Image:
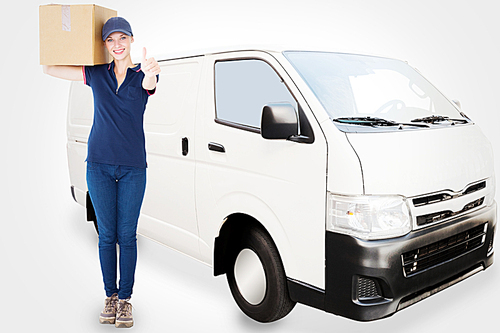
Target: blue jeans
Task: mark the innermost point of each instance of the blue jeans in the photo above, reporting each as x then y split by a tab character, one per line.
117	193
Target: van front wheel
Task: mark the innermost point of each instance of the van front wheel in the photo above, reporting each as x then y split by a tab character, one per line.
257	279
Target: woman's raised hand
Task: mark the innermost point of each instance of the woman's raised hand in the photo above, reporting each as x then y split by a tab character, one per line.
149	66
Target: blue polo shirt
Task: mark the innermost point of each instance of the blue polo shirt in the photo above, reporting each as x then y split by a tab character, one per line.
117	135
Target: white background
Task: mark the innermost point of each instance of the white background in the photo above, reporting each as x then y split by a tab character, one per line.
49	274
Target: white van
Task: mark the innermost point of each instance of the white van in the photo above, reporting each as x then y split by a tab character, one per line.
344	182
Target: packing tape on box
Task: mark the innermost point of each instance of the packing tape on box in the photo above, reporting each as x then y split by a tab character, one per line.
66	18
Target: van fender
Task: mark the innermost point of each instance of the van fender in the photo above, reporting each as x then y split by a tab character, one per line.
239	208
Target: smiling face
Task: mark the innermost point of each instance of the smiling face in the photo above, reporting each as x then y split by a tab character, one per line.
118	45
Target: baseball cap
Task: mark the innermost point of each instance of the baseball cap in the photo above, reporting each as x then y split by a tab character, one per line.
115	24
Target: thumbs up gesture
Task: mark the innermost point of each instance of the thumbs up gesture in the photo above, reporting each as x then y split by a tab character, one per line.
149	66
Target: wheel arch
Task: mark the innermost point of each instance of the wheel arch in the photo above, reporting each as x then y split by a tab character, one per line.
234	226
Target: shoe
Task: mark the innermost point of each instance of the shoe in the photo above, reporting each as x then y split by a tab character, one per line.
124	314
108	315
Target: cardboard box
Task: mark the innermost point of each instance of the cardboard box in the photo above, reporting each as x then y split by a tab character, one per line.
71	34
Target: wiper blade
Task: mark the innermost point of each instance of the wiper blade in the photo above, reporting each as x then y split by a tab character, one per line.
373	121
433	119
367	121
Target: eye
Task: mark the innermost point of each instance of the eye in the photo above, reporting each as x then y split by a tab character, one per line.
123	38
109	40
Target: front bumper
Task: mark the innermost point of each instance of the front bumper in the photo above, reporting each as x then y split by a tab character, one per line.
365	280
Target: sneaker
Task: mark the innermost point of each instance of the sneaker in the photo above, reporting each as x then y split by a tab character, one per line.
108	315
124	314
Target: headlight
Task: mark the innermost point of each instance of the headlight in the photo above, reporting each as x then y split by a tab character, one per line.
369	217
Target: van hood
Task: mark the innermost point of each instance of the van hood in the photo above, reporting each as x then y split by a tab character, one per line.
416	162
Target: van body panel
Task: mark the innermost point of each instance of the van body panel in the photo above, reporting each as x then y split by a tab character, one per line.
80	113
169	235
345	175
77	153
78	124
416	162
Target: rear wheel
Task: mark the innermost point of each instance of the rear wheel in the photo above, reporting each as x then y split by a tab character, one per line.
257	278
91	216
95	226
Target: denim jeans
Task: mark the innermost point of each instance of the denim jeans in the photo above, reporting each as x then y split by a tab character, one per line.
117	193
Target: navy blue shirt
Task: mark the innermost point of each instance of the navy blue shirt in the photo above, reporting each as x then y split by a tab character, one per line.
117	135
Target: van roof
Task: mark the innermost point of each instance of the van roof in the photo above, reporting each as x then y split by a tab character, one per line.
271	48
220	49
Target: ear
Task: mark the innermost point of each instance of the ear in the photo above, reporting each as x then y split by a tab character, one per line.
131	39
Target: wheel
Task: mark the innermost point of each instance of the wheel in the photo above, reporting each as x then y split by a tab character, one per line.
91	212
95	226
257	279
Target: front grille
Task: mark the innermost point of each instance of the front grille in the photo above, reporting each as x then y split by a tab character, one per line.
433	198
437	253
438	216
475	187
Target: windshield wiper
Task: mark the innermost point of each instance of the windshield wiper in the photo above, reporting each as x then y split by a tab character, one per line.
433	119
373	121
367	121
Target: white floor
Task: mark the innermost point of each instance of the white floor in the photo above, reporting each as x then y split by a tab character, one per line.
49	273
51	279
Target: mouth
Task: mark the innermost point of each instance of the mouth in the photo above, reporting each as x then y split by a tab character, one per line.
118	52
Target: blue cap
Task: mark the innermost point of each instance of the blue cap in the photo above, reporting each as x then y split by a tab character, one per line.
115	24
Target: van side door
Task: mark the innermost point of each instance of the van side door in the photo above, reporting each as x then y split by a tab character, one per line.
168	212
280	183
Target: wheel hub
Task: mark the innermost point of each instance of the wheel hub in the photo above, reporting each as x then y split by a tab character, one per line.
250	276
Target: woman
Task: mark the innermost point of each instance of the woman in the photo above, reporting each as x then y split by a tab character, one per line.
116	159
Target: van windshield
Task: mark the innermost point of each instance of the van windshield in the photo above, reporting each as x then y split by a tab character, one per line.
364	87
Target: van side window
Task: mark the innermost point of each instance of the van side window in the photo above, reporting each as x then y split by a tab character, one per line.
243	87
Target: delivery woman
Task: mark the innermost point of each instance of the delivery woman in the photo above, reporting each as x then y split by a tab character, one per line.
116	159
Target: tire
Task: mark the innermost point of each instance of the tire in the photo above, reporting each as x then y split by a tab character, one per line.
91	212
256	277
95	226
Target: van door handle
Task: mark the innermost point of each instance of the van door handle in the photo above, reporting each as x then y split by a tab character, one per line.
216	147
185	146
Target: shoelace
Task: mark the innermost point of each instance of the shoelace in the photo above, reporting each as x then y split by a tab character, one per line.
124	309
110	304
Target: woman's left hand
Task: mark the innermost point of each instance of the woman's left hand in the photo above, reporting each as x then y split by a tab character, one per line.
149	66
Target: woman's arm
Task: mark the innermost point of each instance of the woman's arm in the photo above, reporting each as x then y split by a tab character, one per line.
150	68
72	73
149	83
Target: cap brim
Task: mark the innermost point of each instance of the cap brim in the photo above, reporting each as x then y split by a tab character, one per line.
115	30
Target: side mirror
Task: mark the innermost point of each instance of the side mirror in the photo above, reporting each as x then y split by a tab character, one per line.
279	121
